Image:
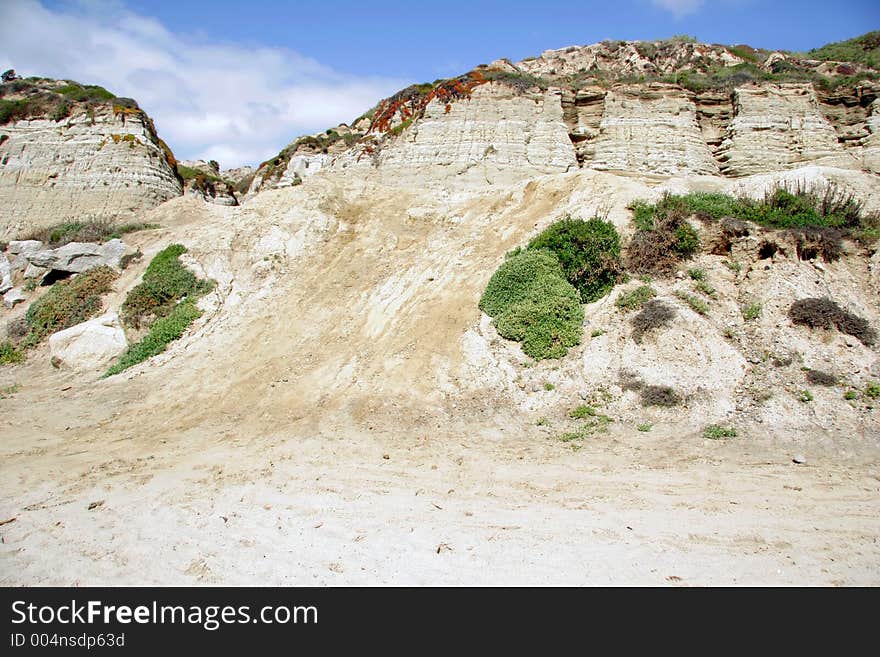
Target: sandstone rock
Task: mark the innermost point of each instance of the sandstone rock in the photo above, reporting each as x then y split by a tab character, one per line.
98	166
5	274
77	257
17	247
13	297
651	130
777	127
498	131
32	271
90	345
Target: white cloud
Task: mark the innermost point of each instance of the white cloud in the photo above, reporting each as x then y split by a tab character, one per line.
679	8
226	102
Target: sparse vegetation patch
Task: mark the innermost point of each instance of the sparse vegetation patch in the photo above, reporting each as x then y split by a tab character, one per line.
822	312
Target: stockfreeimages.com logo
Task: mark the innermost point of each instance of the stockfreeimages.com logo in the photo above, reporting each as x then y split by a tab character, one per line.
210	617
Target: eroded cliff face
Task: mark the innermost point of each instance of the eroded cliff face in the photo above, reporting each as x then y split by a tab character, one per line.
95	165
656	108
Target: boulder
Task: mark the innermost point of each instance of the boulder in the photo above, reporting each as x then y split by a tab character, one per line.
77	257
13	297
17	247
5	274
90	345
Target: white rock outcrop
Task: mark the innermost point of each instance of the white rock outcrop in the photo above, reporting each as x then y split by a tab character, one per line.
90	345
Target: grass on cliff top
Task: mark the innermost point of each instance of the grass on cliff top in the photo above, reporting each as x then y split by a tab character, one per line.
168	293
42	99
863	49
67	303
92	230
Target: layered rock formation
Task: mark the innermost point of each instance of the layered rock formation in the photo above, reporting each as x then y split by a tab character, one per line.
778	127
651	130
97	164
497	128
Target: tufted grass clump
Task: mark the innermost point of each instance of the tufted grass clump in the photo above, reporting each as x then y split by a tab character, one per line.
67	303
10	354
696	304
589	253
165	282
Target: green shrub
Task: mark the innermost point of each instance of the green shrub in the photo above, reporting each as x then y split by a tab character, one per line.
635	299
589	252
687	242
872	390
165	282
645	426
716	432
864	49
697	274
849	395
163	331
9	355
68	303
532	303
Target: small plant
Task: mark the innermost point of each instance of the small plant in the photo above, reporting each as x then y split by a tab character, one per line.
597	332
872	391
716	432
819	378
804	396
549	386
697	274
654	314
542	421
733	266
696	304
730	333
849	395
659	396
635	299
645	426
582	412
705	288
9	355
751	311
7	391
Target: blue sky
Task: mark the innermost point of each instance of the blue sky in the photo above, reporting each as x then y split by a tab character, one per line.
236	81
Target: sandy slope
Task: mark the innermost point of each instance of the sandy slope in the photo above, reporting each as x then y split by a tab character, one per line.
254	450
